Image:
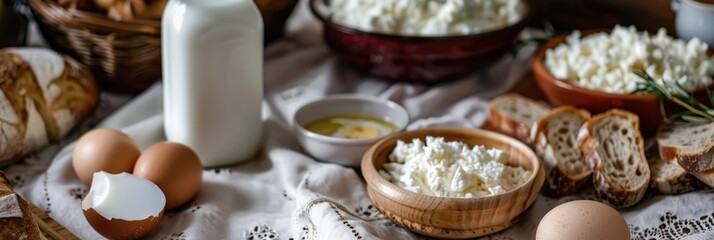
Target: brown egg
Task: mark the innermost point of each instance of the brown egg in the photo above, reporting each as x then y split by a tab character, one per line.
583	220
175	168
106	150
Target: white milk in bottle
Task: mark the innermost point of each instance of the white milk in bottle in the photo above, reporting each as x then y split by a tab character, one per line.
213	78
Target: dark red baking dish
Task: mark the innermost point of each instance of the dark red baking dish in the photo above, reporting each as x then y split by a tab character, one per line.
416	58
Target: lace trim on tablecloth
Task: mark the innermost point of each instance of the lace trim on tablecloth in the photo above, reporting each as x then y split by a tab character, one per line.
261	232
671	227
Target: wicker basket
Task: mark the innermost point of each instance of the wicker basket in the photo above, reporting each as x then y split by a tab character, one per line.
124	56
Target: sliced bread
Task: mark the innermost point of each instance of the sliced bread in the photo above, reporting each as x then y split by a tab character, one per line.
554	139
514	115
16	226
691	144
612	144
668	177
706	177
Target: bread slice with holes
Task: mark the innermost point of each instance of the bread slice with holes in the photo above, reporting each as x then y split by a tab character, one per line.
613	147
692	145
554	139
514	115
667	177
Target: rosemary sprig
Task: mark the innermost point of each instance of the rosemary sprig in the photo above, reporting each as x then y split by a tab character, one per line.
674	92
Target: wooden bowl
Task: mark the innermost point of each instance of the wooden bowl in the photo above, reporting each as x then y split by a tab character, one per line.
563	93
445	217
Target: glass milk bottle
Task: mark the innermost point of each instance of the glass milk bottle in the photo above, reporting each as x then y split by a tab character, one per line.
213	78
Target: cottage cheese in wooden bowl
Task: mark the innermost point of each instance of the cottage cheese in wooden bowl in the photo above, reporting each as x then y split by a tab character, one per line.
451	169
452	182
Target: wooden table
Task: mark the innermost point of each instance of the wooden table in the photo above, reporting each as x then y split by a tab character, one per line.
49	227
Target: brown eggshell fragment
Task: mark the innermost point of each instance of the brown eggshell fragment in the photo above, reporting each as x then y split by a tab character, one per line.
175	168
121	229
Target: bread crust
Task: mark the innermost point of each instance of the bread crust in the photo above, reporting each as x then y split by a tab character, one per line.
17	228
699	161
558	182
675	185
507	125
612	192
706	177
666	152
671	184
74	97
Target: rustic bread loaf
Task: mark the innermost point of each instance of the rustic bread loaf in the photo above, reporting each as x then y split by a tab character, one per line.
42	96
667	177
691	144
555	137
613	146
515	115
23	227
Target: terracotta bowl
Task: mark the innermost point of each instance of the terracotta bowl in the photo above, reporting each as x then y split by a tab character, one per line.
562	93
445	217
424	59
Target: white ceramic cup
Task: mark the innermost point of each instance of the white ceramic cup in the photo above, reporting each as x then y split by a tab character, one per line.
694	19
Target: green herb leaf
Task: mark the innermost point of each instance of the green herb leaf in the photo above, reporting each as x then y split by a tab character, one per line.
674	92
695	119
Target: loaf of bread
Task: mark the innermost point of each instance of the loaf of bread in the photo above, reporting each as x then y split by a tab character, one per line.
15	225
554	139
691	144
514	115
42	96
613	146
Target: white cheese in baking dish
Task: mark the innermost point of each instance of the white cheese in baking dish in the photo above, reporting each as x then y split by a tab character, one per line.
426	17
607	62
451	169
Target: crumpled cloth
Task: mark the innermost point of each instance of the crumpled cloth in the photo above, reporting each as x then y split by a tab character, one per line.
285	194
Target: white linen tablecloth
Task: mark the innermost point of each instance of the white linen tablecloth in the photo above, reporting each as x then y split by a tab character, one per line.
285	194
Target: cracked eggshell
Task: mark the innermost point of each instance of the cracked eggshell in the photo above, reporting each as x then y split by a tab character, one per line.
123	206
